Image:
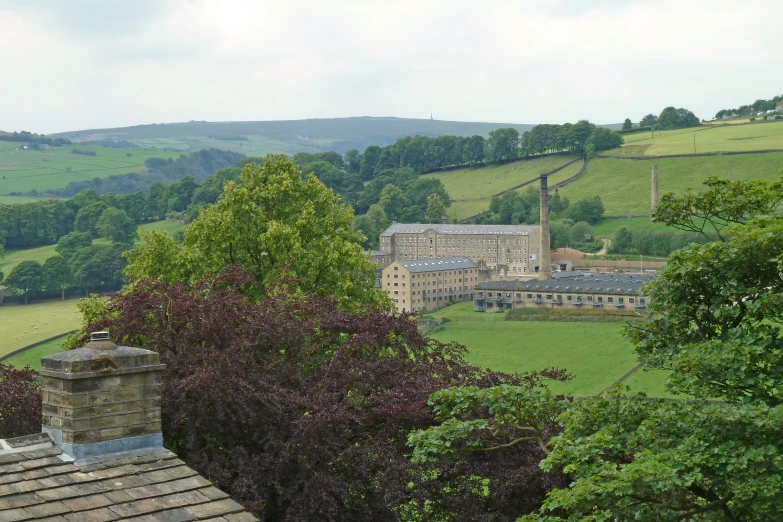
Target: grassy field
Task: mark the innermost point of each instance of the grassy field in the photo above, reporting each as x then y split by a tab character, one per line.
624	185
14	200
26	170
32	357
596	353
607	227
713	138
18	322
471	189
41	254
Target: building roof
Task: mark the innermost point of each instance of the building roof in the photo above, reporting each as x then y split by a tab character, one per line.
157	487
420	228
576	282
437	264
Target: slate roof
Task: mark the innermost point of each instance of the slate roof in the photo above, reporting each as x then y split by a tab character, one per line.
576	282
154	487
438	263
420	228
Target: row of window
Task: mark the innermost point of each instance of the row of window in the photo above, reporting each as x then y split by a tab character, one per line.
462	241
559	297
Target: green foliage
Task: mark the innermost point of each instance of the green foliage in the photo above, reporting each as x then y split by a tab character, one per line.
57	274
648	121
88	216
435	208
26	278
671	118
502	145
70	244
627	124
114	224
92	309
604	139
590	210
273	222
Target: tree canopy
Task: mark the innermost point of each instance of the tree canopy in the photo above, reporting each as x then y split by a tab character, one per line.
271	219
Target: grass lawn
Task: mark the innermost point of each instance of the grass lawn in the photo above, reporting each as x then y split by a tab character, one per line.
624	185
32	357
652	382
50	317
26	170
596	353
712	138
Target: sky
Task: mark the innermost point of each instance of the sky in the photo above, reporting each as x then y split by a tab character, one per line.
81	64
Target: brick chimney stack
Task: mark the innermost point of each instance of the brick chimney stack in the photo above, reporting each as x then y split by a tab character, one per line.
544	265
102	400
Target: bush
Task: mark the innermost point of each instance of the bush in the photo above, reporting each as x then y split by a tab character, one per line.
20	402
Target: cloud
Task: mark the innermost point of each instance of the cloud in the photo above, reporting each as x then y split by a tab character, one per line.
91	63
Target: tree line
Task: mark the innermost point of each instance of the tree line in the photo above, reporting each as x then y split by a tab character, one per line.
669	118
760	105
32	138
652	242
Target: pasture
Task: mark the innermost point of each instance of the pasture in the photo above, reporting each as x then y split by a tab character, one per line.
708	138
596	353
32	357
471	189
624	185
22	325
25	170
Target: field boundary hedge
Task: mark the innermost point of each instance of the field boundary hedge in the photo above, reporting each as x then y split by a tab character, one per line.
31	346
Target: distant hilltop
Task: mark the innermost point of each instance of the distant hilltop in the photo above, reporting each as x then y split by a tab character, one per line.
255	138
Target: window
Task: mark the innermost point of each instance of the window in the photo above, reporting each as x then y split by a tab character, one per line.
600	299
568	298
620	300
529	296
610	299
632	300
589	297
559	297
395	268
549	297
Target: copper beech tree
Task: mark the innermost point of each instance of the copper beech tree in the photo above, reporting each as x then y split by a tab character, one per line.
302	411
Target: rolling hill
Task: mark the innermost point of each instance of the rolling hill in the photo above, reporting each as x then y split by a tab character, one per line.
292	136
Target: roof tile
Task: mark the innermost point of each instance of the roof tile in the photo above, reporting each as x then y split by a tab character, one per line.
219	507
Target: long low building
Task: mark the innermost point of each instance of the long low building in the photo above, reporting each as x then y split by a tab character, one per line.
564	290
426	285
506	250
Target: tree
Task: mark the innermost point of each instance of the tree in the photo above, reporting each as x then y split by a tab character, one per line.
590	210
604	139
622	240
272	219
671	118
627	124
473	151
368	161
70	244
502	145
648	121
100	267
114	224
88	216
27	278
420	190
20	402
353	161
435	208
300	411
392	201
57	274
581	232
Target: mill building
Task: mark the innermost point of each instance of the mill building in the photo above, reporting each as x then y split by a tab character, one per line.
425	285
575	290
503	250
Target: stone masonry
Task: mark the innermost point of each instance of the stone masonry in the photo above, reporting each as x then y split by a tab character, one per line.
102	393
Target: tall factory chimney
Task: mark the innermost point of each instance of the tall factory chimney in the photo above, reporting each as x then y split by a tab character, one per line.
654	195
544	266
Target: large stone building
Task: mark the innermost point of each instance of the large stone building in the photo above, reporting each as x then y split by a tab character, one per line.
505	250
564	290
426	285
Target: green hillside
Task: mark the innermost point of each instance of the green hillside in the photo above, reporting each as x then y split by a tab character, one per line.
24	170
471	189
262	137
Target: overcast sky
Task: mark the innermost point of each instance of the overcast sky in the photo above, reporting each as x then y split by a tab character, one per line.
78	64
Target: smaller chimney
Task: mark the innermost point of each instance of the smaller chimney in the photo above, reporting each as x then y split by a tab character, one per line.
102	401
654	195
544	266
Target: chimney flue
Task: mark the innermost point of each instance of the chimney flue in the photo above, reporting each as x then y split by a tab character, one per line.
654	194
544	266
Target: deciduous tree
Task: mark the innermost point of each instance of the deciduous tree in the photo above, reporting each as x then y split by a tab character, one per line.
27	278
57	274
